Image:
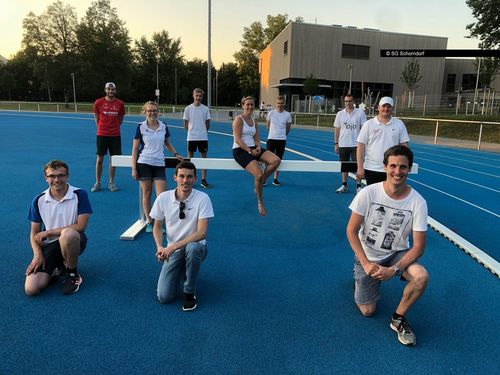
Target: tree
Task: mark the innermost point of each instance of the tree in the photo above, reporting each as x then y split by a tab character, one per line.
411	74
104	50
51	40
228	87
255	39
161	50
487	70
486	28
311	85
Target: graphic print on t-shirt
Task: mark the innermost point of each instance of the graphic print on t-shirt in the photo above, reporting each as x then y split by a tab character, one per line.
385	226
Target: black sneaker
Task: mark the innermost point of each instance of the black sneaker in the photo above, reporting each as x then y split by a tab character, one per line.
276	182
405	334
205	184
72	283
57	274
189	302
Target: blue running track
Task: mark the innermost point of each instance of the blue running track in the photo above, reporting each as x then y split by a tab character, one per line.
275	293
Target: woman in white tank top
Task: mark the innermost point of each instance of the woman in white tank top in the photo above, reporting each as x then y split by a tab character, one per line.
247	150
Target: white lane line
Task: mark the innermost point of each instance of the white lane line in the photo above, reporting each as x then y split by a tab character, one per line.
469	161
459	179
457	198
456	166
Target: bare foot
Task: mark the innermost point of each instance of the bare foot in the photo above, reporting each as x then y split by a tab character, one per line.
262	210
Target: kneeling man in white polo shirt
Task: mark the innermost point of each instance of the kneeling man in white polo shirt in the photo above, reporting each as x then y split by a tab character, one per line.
185	212
58	216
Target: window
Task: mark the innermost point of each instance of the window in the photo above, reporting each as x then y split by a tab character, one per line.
285	48
469	81
352	51
450	82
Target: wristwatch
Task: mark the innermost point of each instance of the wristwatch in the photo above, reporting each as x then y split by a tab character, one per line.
397	271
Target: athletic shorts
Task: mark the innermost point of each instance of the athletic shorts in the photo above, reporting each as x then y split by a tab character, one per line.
202	146
148	172
243	158
347	153
366	289
111	144
276	146
53	255
372	177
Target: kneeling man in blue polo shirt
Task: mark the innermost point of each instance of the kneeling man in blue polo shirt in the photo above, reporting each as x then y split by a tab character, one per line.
58	216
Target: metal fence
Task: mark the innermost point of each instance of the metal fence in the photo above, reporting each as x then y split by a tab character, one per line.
437	128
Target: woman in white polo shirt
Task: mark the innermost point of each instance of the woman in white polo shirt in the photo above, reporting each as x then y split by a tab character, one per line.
148	161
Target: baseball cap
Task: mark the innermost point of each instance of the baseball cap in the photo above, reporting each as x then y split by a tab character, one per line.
386	100
110	84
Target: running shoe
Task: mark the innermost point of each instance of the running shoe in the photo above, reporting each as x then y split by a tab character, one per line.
276	182
96	187
112	187
189	303
72	283
342	189
405	334
205	185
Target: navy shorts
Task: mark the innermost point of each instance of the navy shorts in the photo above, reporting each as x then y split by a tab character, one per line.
111	144
202	146
148	172
276	146
243	158
53	255
347	153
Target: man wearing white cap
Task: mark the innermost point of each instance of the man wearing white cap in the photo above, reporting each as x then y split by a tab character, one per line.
108	115
376	136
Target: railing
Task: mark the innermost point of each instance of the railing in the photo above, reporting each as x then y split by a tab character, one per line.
468	130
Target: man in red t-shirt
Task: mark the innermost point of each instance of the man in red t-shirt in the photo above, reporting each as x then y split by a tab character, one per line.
108	114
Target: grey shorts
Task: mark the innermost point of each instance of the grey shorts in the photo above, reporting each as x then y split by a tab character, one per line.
366	289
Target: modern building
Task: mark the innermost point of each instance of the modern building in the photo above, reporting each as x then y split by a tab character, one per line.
347	58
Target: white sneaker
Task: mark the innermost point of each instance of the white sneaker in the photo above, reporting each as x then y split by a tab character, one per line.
342	189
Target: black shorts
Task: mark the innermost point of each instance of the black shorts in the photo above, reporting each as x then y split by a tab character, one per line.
53	255
276	146
347	153
372	177
202	146
148	172
105	143
243	158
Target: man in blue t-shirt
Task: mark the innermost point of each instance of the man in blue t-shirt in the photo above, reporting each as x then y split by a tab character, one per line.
58	216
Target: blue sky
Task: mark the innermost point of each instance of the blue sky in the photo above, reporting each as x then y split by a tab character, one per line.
188	20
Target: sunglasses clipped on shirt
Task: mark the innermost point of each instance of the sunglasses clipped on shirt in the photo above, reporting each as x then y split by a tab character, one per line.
182	214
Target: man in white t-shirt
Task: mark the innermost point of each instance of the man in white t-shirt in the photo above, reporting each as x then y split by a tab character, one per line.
197	123
376	136
278	122
384	216
185	212
347	125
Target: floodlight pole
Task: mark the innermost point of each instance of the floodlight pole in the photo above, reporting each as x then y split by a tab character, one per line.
209	61
74	91
477	84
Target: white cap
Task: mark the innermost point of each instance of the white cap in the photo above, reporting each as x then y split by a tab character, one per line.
110	85
386	100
